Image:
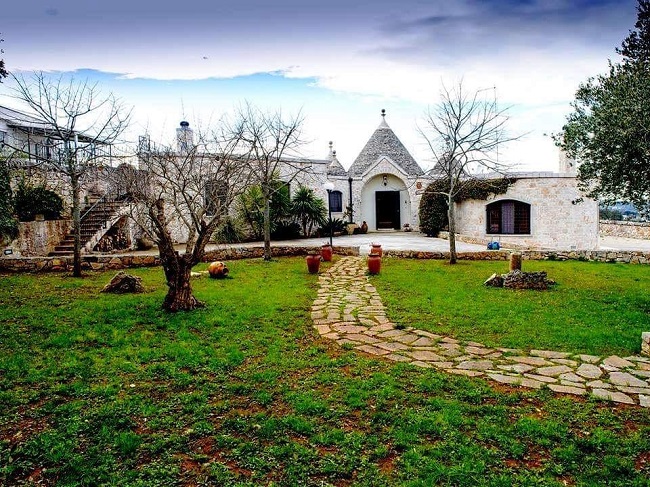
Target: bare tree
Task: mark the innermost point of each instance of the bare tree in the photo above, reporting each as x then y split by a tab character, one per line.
464	132
183	195
270	145
77	123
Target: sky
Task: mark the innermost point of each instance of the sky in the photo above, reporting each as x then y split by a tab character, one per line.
339	63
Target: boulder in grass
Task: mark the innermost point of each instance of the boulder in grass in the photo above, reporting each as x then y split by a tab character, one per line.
123	283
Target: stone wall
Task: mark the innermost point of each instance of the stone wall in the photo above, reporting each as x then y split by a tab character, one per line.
610	256
561	217
612	228
111	262
39	238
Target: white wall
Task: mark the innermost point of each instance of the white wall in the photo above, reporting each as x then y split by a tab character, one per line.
558	219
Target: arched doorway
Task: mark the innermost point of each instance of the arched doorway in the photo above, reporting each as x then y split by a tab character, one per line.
385	203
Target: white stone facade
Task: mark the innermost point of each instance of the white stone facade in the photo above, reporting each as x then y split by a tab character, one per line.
561	217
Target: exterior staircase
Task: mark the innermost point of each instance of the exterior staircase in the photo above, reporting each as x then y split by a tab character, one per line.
94	216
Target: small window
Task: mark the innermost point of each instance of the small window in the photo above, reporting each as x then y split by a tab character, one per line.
508	217
336	201
3	137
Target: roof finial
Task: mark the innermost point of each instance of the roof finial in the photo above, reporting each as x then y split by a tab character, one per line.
334	154
331	144
383	112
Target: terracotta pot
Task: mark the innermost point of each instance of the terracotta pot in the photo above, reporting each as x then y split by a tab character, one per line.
376	249
313	263
218	270
374	263
326	252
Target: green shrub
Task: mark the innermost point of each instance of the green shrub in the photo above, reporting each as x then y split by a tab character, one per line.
34	200
8	223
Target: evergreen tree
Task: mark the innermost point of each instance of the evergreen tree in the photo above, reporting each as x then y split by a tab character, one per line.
608	133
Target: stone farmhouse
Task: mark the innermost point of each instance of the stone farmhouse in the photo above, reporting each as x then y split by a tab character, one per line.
383	187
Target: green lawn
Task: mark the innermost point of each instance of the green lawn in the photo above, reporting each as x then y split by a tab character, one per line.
110	390
595	308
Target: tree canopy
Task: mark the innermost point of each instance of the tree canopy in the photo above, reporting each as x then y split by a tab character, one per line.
608	132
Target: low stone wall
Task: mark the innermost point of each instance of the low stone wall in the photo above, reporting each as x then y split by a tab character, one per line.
39	238
613	228
628	257
112	262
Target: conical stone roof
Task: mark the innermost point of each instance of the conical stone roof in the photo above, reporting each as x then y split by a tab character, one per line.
384	143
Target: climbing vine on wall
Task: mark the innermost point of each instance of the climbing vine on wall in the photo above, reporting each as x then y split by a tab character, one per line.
433	205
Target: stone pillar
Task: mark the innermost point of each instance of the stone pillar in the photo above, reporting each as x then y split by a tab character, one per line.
515	261
645	343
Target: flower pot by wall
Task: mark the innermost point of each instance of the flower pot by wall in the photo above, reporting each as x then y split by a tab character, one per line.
313	263
326	252
374	263
376	249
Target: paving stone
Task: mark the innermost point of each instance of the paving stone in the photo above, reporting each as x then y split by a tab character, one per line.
349	317
419	363
553	371
392	333
372	350
590	359
599	384
397	358
494	355
537	361
637	358
578	391
315	315
612	396
618	362
345	341
427	334
443	365
478	350
379	328
589	371
382	320
565	361
426	356
468	373
392	346
357	337
520	368
571	377
449	340
643	366
423	342
349	328
323	329
634	390
609	368
625	379
331	336
475	365
549	354
407	338
516	381
475	344
571	383
541	378
464	358
644	401
450	352
640	373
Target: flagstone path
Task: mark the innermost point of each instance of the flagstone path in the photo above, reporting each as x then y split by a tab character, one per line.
348	309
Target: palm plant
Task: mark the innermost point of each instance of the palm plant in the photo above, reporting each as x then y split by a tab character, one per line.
308	210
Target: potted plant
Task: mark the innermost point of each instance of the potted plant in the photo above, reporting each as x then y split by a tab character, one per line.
407	227
313	262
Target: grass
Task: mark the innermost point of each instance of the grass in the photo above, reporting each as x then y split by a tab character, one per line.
595	308
110	390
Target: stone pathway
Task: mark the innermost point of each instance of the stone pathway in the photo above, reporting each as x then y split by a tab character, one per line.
349	310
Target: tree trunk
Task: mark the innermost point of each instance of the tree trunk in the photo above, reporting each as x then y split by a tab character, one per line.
267	227
452	230
179	296
76	227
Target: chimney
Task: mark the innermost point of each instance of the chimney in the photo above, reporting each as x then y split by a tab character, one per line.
185	137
